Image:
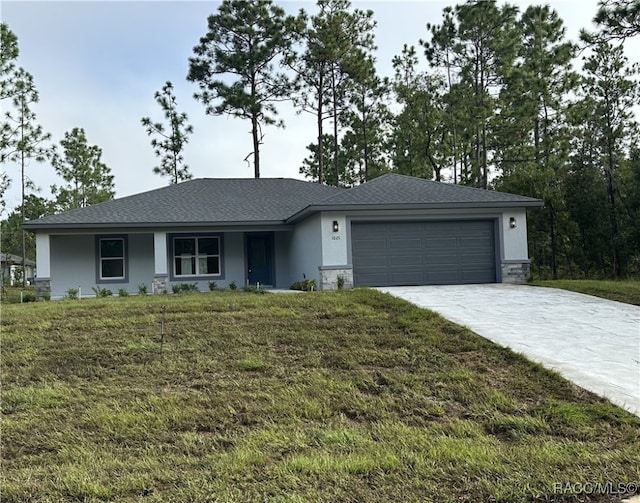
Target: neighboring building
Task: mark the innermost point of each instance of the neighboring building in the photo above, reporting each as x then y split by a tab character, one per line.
11	269
393	230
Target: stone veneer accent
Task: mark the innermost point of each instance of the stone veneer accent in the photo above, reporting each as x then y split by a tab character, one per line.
516	271
43	288
329	277
160	283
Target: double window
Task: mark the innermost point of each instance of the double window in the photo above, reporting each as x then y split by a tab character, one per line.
196	256
112	256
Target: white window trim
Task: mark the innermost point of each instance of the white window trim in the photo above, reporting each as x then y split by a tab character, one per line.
112	279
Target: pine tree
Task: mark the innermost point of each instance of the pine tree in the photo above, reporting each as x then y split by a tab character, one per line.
244	42
89	180
172	138
26	138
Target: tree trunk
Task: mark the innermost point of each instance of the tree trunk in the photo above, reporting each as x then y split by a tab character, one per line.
320	132
24	236
335	127
256	146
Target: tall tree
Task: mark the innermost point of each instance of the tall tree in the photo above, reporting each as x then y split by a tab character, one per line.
418	145
531	134
245	40
8	55
171	139
367	129
610	91
338	43
26	138
482	42
89	180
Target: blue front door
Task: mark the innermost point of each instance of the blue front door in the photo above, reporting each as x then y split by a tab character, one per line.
260	258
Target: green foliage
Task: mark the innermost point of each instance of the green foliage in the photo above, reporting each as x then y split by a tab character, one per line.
213	286
172	139
306	285
617	20
335	58
142	289
72	294
340	282
254	289
11	228
185	288
244	41
345	396
89	180
123	292
233	286
101	292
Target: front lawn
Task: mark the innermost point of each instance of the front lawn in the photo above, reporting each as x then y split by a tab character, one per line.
622	291
347	396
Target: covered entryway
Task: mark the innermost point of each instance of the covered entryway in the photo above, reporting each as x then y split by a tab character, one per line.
423	252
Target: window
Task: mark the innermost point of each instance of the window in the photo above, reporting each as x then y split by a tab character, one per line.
196	256
111	258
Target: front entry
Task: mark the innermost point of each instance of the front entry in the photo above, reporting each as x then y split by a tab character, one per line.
259	247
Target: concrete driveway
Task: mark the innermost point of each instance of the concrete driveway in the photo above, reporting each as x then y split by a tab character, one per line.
593	342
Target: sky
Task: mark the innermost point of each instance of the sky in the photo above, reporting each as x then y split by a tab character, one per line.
97	65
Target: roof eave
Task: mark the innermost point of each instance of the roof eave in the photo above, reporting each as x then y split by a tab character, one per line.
35	226
311	209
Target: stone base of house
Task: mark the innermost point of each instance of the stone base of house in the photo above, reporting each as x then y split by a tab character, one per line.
43	288
336	277
160	283
516	271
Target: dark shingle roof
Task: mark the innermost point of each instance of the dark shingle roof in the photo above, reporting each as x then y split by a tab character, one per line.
400	191
196	202
245	201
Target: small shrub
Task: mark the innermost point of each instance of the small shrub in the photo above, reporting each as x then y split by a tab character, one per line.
340	282
71	293
122	292
213	286
306	285
142	289
28	297
45	296
233	286
185	288
101	292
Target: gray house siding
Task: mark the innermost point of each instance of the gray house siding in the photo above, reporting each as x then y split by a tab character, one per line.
74	265
305	250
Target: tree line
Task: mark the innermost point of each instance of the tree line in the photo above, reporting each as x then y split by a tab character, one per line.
492	97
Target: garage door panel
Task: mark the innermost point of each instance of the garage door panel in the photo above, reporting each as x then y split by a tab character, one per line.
414	253
406	261
401	244
432	243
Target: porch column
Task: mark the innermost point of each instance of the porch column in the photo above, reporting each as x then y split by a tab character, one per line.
43	266
160	264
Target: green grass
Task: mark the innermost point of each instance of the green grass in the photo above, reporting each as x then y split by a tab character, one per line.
345	396
622	291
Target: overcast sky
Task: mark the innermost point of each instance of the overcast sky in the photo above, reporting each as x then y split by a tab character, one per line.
97	65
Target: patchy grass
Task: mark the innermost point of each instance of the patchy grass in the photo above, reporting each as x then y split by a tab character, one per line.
15	294
345	396
622	291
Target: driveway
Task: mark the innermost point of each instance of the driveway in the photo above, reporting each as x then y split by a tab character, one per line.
593	342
